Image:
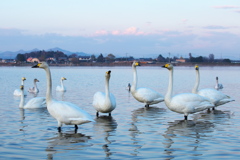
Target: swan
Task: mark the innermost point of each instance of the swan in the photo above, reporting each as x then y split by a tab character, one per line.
184	103
218	86
216	97
128	87
36	102
17	92
104	102
64	112
34	89
144	95
61	88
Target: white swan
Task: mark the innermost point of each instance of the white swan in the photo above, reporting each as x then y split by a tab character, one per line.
36	102
185	103
218	86
216	97
35	88
104	102
17	92
61	88
64	112
144	95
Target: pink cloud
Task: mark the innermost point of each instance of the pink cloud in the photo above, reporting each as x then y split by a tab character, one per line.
128	31
226	7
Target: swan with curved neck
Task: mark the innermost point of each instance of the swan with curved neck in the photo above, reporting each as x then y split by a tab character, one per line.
36	102
61	88
144	95
184	103
104	102
17	92
218	86
64	112
35	88
216	97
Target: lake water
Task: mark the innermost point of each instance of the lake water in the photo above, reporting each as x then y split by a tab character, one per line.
133	132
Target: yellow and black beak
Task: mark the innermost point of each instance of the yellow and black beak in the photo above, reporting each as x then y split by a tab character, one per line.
196	67
165	66
108	72
36	66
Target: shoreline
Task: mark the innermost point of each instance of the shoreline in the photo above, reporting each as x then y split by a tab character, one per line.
89	64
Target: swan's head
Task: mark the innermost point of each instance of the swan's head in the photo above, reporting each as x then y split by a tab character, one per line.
169	66
36	80
196	67
63	78
108	74
21	87
23	78
41	65
135	63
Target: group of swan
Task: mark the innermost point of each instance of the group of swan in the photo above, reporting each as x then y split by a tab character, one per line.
184	103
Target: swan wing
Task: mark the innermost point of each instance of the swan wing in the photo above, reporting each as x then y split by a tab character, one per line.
216	97
37	102
147	95
68	113
189	103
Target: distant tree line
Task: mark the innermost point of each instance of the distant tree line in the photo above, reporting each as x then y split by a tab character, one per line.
43	55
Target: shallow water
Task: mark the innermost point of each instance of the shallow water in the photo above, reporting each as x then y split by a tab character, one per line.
133	132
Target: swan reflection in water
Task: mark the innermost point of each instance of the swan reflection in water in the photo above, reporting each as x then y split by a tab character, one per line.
106	125
144	120
184	136
63	142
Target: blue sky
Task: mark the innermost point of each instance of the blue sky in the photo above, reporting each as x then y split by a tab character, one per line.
138	28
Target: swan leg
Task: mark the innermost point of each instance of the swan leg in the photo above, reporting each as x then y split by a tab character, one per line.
97	114
109	114
185	117
213	108
59	129
147	105
76	127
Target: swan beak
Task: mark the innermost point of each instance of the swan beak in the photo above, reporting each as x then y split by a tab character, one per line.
108	72
165	66
196	67
36	66
23	78
137	64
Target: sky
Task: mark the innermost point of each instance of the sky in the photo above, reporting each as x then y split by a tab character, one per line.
138	28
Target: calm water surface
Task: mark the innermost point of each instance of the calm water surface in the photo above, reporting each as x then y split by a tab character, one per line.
132	132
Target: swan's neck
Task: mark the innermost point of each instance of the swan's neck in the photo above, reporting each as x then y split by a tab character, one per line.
168	95
35	85
195	88
134	85
49	85
61	83
107	87
22	82
21	104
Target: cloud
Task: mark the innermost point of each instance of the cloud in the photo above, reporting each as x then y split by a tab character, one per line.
226	7
128	31
130	40
215	27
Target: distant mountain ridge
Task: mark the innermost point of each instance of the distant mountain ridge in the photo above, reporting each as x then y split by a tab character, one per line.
12	55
